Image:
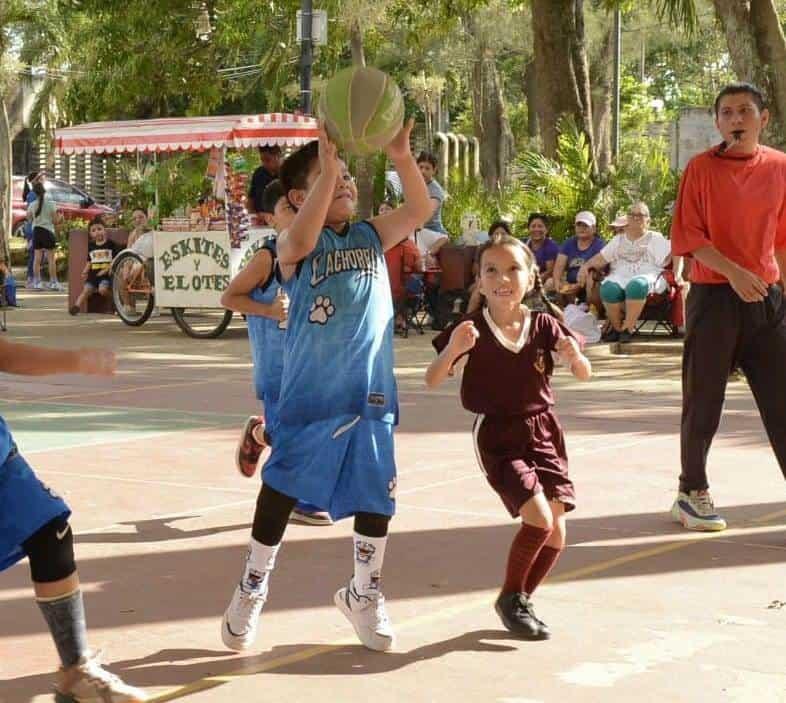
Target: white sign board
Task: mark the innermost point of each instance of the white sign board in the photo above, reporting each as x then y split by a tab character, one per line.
240	257
192	269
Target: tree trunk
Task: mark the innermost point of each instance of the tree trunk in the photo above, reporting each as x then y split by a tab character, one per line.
531	90
758	52
771	45
5	184
561	65
602	73
489	115
364	165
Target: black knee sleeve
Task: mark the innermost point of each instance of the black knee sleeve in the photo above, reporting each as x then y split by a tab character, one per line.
371	524
51	552
271	516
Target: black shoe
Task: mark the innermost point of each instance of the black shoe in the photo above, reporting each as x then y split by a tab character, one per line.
611	336
515	611
625	337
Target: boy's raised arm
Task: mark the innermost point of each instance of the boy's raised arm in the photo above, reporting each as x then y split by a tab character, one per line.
296	243
417	207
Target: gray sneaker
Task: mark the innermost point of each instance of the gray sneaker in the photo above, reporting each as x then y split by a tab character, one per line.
696	511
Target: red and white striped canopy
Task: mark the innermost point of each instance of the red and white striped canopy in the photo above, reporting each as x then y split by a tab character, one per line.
186	134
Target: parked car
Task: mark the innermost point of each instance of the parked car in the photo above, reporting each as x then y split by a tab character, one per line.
72	202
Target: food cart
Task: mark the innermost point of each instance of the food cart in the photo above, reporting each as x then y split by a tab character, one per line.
197	255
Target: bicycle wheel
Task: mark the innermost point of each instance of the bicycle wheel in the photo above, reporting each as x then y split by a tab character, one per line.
132	290
202	323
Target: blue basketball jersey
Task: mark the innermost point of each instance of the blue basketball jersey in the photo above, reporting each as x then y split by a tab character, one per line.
6	441
339	340
267	338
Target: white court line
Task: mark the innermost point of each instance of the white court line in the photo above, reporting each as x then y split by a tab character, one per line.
151	482
175	411
121	440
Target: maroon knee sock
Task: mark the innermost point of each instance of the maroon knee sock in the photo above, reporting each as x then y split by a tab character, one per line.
540	569
527	543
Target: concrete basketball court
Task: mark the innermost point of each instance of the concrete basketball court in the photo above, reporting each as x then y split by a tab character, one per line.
640	610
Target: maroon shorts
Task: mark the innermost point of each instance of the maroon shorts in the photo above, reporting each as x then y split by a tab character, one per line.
522	456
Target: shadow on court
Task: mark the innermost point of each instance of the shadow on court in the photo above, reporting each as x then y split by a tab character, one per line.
197	582
169	667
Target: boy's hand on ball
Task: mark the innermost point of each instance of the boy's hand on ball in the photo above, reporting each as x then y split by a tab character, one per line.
97	362
399	148
328	154
463	338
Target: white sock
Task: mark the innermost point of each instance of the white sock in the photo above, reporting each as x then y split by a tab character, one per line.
369	555
259	563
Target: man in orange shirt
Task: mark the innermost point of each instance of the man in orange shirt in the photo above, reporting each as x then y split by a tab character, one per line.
730	217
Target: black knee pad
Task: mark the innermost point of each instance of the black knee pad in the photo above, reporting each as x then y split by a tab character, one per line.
371	524
51	552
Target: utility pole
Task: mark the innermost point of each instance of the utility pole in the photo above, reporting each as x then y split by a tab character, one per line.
306	55
615	132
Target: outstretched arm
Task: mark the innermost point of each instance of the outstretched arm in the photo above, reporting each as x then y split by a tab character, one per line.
297	242
29	360
417	207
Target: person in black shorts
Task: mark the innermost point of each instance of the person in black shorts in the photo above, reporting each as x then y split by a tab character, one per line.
97	273
506	353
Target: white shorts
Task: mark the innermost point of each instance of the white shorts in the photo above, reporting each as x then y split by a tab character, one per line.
144	246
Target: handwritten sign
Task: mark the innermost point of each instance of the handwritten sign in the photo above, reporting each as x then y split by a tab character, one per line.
192	269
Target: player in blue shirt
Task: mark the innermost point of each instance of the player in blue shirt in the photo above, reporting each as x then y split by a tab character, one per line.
34	524
338	404
256	292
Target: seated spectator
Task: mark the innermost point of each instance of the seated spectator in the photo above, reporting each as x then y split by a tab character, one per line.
636	259
97	272
545	249
575	252
619	224
140	239
403	260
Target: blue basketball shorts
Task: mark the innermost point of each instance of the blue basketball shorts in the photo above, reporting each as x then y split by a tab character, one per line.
26	505
344	464
271	415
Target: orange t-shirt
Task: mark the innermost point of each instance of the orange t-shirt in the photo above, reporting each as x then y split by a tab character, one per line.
401	260
736	203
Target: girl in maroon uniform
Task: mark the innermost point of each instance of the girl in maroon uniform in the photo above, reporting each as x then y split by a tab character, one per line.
506	353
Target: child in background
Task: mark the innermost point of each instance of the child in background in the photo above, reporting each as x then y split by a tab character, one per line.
43	215
505	351
257	293
338	404
97	272
402	261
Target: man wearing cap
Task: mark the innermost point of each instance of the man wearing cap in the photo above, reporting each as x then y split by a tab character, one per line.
730	217
576	252
619	224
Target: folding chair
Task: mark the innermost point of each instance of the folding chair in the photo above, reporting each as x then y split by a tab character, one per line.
413	307
665	310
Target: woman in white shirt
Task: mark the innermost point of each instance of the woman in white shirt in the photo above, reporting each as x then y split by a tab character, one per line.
637	258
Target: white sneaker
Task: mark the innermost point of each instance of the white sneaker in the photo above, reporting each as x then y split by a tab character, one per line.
56	285
241	619
696	511
38	285
89	682
368	616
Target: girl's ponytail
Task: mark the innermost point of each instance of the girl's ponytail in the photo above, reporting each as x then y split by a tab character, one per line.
40	192
551	308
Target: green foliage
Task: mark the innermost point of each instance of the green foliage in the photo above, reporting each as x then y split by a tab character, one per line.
180	180
563	186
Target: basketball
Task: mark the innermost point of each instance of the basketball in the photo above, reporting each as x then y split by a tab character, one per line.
362	109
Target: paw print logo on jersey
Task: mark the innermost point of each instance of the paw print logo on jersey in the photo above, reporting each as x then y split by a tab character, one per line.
321	310
392	488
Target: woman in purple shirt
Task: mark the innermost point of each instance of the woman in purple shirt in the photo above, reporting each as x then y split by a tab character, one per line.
543	247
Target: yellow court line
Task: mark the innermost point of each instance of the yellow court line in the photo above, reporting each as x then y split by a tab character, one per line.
134	389
444	613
